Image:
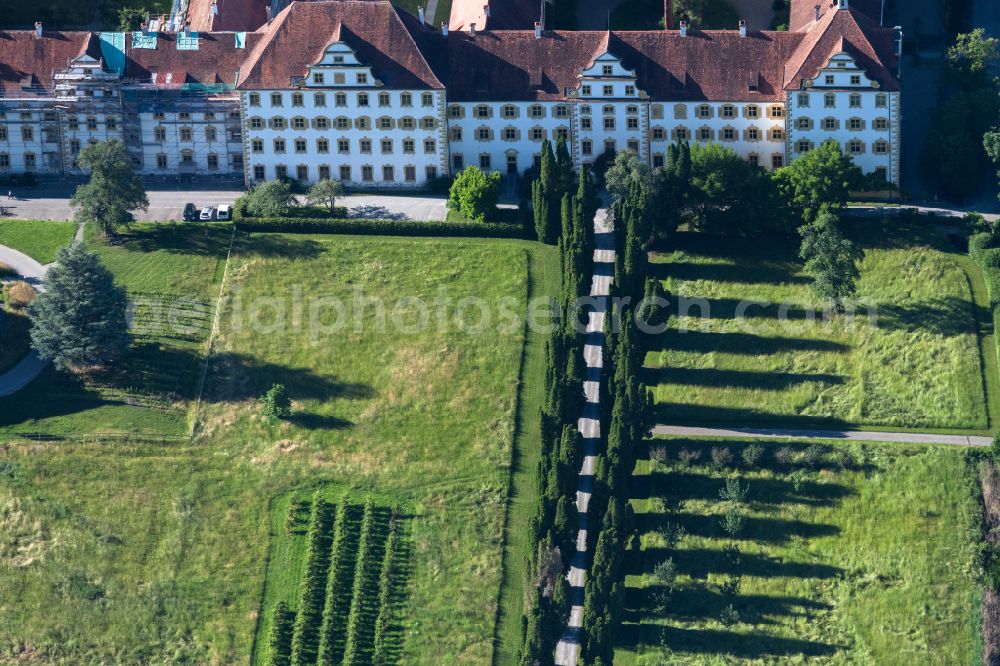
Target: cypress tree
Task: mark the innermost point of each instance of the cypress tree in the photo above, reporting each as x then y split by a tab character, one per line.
280	642
564	165
546	197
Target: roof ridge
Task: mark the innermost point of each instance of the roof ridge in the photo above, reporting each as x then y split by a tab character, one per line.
413	41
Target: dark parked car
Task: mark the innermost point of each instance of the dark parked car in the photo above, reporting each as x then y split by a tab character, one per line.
190	213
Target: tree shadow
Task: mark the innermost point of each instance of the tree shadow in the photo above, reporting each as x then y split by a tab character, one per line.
372	212
281	246
703	342
682	414
209	240
942	316
713	377
763	272
312	421
775	491
755	528
736	308
699	562
719	642
238	377
765	247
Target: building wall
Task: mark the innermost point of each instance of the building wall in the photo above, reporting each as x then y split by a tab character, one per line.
204	139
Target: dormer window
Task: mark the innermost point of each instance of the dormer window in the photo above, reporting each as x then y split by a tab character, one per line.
607	70
609	91
319	79
338	59
585	91
362	79
855	80
828	80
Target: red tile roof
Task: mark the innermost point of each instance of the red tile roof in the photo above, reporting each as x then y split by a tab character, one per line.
504	14
29	61
872	47
217	60
382	38
803	12
236	15
705	65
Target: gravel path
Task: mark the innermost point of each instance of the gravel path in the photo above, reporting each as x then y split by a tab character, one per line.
30	366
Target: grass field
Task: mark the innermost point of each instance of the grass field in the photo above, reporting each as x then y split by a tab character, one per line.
869	564
172	274
916	365
39	239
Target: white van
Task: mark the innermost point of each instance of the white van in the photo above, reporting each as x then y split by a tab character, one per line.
223	213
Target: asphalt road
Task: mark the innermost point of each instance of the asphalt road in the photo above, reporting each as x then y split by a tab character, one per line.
166	205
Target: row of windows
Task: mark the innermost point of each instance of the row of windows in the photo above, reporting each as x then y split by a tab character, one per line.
852	147
508	111
345	172
607	90
508	134
384	99
343	146
854	100
212	160
342	123
186	134
49	134
853	124
185	116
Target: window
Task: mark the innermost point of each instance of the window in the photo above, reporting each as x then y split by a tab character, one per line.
882	173
537	111
427	99
280	171
91	123
508	111
562	132
383	99
803	146
27	134
74	146
484	134
319	79
753	112
830	124
408	124
681	133
160	134
111	124
881	124
298	99
324	172
367	174
658	161
258	172
659	134
704	111
855	100
753	134
509	134
776	111
340	99
485	163
362	79
629	91
410	174
704	134
302	172
753	159
73	122
185	134
482	111
236	161
210	134
409	146
587	147
828	79
455	134
609	122
343	146
431	172
275	99
855	124
385	123
362	123
457	163
881	101
537	134
610	146
430	146
728	111
607	70
608	91
254	99
343	123
803	123
278	123
345	172
279	145
213	162
388	173
362	99
633	145
632	110
428	123
322	145
406	99
585	91
455	111
586	124
632	123
880	147
161	161
608	110
257	146
728	134
180	116
803	100
829	100
386	145
256	123
855	147
855	80
322	122
777	161
777	134
319	99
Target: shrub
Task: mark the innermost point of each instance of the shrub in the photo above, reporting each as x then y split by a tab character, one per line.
721	457
672	534
730	587
814	455
659	454
270	199
325	193
734	492
275	404
475	193
732	522
6	270
665	574
729	616
20	294
752	455
784	456
732	556
689	457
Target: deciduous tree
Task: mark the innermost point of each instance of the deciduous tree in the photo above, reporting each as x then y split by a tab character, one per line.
113	191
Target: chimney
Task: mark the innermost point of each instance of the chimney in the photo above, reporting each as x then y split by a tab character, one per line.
538	30
743	28
668	14
817	12
444	28
684	28
186	30
420	13
843	4
38	29
486	11
472	28
214	9
270	15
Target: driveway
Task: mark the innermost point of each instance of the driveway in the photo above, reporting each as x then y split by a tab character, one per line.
33	273
52	203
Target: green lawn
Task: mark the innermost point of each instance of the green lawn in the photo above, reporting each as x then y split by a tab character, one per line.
916	365
172	274
869	564
39	239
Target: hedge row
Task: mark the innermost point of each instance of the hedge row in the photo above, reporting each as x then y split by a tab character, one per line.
380	227
988	259
387	579
312	592
363	567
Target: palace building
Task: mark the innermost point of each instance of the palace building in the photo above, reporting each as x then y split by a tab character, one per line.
363	92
